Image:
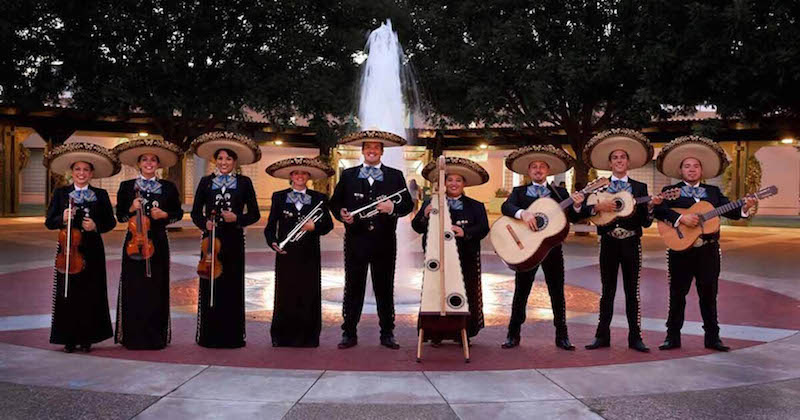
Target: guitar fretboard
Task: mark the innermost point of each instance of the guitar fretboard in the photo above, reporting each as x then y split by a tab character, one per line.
723	209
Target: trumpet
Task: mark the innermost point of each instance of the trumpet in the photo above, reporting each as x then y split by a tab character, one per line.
380	199
296	233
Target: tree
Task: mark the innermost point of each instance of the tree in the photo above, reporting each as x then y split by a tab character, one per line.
541	67
756	65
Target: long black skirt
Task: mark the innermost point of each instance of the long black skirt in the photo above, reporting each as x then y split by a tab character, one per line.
222	325
82	317
297	315
143	319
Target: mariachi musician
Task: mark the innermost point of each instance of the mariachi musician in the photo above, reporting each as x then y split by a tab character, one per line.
470	226
538	162
143	319
370	241
224	202
298	218
692	159
620	150
80	299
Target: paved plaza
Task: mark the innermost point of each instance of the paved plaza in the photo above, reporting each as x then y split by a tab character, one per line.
759	311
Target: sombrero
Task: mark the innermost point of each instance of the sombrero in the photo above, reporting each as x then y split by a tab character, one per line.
246	149
707	151
386	138
599	148
129	152
60	159
556	158
472	173
283	168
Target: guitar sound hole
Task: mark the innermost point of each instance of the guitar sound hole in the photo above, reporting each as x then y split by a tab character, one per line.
541	221
619	204
455	301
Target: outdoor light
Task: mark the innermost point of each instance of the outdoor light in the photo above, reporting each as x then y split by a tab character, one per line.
278	142
787	140
484	146
143	134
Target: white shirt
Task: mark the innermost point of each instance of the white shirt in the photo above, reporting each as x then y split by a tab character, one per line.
298	205
372	181
623	179
77	188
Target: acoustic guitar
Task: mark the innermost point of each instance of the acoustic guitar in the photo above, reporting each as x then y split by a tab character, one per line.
625	204
682	237
523	248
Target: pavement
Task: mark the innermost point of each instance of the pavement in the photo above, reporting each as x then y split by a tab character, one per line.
759	307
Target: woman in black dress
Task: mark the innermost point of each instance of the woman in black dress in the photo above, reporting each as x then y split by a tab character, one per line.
143	321
220	321
80	312
470	225
297	314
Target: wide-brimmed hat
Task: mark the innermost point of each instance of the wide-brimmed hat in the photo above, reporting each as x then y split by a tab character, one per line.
556	158
61	158
283	168
386	138
598	150
472	173
130	151
710	154
246	149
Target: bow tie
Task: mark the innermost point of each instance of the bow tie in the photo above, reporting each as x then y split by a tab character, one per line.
149	185
619	185
455	204
537	191
693	192
83	196
371	172
227	181
298	197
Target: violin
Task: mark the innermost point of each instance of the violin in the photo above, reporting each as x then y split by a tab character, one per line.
69	259
140	247
210	266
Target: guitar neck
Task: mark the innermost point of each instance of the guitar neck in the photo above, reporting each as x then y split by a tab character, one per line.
723	209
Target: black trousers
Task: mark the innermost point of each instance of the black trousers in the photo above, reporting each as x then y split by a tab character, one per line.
378	252
553	266
702	264
626	253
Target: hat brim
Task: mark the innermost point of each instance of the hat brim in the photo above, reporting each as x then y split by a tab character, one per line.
373	136
712	163
130	157
246	155
286	172
520	164
103	167
638	154
472	176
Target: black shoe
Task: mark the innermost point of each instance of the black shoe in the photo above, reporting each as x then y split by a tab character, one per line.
670	343
638	345
598	343
86	348
69	348
717	345
389	342
510	342
436	342
563	343
347	342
